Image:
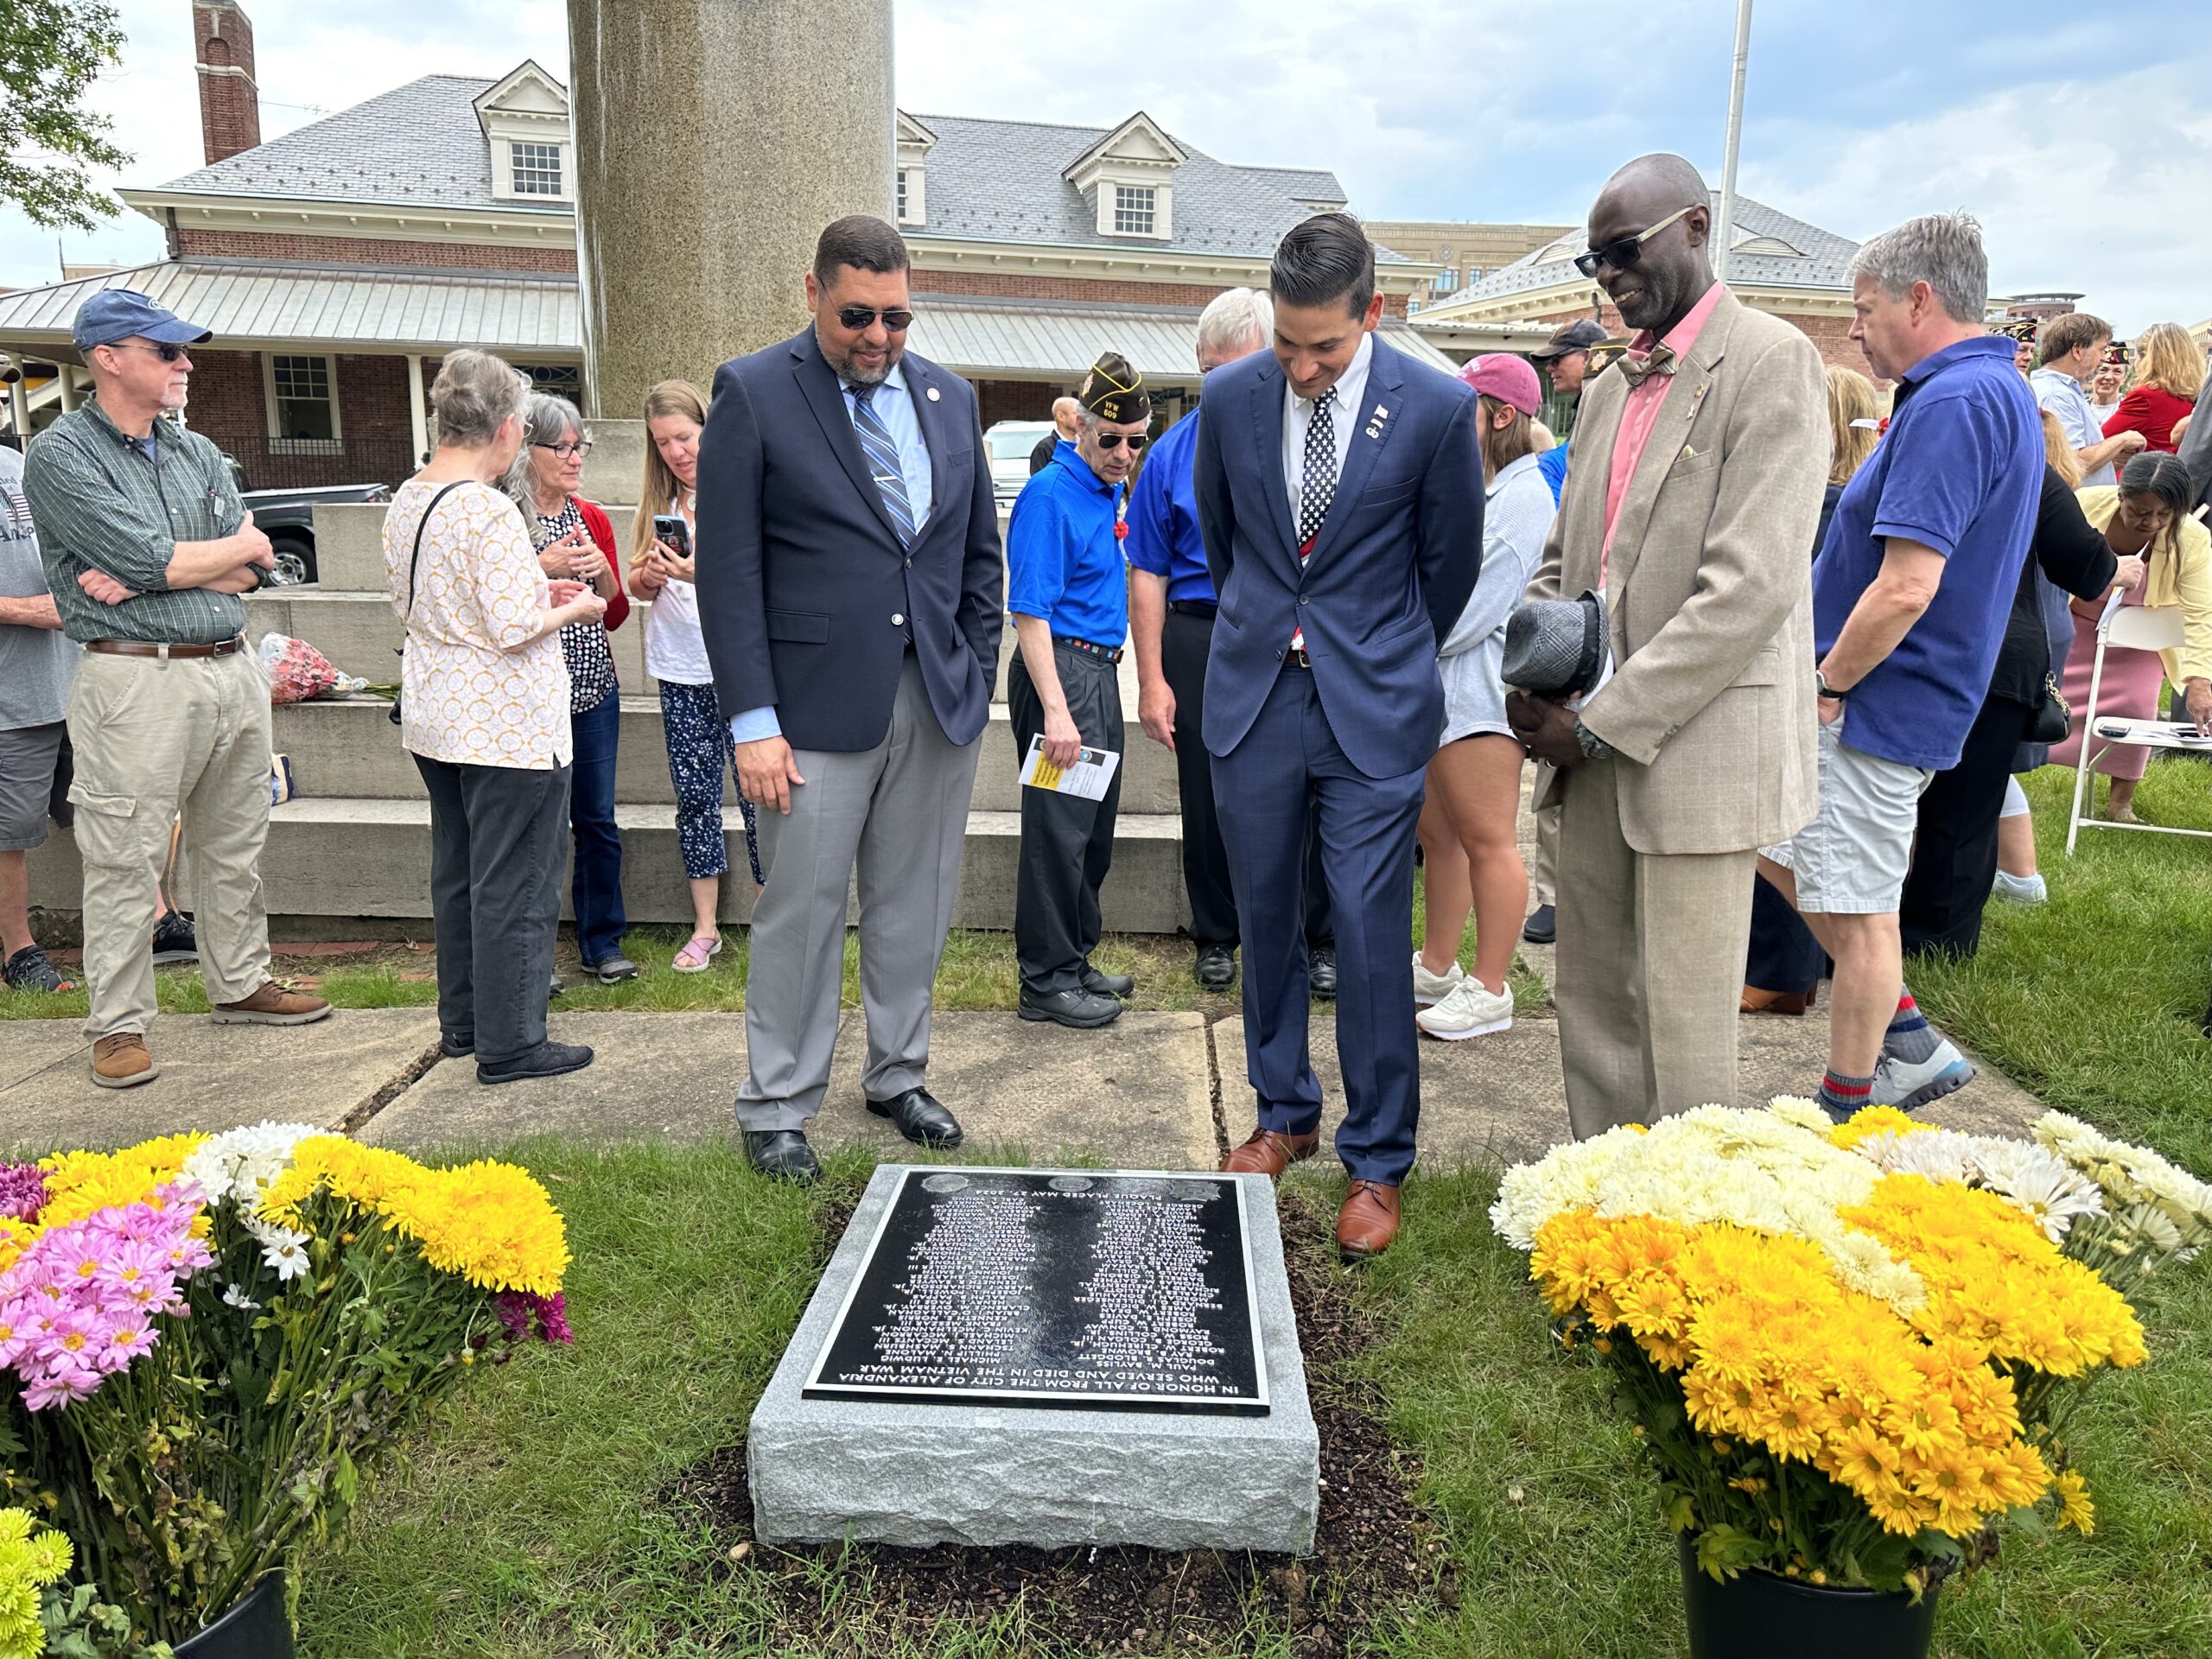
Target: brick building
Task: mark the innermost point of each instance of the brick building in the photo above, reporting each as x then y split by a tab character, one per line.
338	263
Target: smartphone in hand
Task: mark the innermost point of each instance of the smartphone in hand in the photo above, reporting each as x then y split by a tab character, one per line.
670	528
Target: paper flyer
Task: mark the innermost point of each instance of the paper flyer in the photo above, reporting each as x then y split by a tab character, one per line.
1087	778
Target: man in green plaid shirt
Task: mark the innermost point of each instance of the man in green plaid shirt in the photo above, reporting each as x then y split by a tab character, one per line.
148	550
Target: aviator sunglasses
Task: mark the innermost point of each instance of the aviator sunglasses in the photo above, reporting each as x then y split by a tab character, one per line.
857	317
1627	251
1136	441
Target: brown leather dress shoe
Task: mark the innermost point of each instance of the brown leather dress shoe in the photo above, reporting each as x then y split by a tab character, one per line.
272	1004
1369	1220
120	1060
1270	1152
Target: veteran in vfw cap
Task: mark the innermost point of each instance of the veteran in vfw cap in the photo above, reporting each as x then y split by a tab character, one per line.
1068	588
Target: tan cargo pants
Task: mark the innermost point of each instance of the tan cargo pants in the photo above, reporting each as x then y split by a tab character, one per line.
156	739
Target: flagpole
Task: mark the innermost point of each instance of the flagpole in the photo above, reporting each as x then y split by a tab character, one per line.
1734	140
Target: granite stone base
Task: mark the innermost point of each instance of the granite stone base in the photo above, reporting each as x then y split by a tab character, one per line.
914	1474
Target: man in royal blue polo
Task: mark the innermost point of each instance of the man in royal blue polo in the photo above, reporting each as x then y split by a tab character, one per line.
1910	592
1171	608
1068	590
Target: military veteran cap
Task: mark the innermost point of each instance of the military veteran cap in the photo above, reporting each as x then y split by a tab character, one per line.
1115	391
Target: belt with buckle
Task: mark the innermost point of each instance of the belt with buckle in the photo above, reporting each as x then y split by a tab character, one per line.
164	653
1193	607
1297	657
1110	653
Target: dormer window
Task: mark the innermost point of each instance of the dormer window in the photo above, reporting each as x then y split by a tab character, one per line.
1136	206
915	141
537	169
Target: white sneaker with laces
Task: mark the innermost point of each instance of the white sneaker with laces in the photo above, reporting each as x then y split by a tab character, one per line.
1430	988
1472	1010
1909	1085
2021	889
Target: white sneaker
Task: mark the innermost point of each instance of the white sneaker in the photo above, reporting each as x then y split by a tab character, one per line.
2021	889
1909	1085
1472	1010
1430	988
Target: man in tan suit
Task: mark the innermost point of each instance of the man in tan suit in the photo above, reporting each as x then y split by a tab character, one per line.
1691	507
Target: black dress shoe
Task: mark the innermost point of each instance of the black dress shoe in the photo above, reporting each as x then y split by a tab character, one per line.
1321	970
921	1118
1216	968
783	1154
1543	926
1084	1010
547	1060
456	1046
1100	984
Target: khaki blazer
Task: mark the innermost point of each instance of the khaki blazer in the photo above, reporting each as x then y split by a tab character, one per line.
1709	594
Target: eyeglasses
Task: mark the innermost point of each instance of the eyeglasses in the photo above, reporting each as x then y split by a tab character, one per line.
578	450
857	317
167	352
1625	252
1136	441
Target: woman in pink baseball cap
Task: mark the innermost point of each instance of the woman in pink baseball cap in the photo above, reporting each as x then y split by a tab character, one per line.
1468	848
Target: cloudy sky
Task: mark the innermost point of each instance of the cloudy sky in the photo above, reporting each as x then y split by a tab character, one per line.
2082	134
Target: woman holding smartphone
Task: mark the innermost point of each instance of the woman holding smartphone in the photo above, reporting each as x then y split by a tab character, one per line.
664	569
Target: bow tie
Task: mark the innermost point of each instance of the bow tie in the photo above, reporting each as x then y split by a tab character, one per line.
1661	359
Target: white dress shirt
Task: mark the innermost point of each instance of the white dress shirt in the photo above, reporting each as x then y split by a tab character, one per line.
1345	415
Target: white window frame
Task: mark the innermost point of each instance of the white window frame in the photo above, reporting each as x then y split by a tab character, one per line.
335	443
1131	200
910	198
558	166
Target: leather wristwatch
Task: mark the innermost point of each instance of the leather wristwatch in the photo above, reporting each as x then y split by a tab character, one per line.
1821	688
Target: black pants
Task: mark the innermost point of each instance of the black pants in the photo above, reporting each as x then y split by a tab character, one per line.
499	838
1067	843
1954	849
1184	643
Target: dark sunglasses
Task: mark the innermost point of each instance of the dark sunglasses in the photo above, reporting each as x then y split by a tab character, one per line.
857	317
1625	252
168	353
1136	441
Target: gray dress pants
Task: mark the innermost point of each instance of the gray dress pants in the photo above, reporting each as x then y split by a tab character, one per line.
899	813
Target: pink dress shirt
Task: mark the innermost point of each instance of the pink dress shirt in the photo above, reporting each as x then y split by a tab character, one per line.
1641	412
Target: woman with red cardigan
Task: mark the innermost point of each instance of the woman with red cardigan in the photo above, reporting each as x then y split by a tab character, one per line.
576	542
2169	374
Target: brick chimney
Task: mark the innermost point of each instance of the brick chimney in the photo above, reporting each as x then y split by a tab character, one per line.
229	101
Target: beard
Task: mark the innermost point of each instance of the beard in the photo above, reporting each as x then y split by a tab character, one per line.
846	369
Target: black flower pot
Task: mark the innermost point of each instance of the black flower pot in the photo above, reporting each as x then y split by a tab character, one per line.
255	1628
1759	1615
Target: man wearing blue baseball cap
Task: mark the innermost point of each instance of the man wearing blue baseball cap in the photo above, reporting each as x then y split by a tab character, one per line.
148	550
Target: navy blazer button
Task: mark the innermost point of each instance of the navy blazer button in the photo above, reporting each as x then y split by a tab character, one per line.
1303	600
898	619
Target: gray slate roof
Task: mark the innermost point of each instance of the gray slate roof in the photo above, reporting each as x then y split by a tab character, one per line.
1825	256
997	180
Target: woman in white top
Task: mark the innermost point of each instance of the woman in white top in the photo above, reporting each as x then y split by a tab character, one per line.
699	750
1469	854
484	709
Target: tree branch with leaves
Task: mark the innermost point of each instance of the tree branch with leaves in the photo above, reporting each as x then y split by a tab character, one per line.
51	51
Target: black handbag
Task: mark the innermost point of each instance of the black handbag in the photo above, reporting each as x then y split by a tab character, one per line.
2054	714
414	566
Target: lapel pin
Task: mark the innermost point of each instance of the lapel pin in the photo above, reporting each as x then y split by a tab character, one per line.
1374	431
1380	413
931	394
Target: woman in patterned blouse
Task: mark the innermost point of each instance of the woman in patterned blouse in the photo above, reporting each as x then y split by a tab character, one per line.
576	542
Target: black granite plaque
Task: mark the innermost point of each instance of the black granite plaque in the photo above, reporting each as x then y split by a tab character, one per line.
1049	1287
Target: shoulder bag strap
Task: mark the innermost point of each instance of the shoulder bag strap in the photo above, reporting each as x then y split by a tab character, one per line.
415	563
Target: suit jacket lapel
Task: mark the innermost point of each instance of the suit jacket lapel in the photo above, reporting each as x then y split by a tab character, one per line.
935	438
818	382
1686	393
1266	426
1371	425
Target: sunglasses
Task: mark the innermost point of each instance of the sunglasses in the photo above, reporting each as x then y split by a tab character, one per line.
167	353
1625	252
857	317
1136	441
565	450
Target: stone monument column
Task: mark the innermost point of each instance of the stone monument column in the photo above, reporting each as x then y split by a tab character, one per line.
715	139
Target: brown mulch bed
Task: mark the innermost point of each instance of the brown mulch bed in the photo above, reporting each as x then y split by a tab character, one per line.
1377	1555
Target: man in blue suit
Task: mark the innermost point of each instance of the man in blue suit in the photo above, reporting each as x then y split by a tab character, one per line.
1340	495
851	591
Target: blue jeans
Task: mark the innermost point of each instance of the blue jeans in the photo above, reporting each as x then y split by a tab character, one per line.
598	878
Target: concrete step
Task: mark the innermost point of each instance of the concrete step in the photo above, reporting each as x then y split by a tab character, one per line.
342	858
350	747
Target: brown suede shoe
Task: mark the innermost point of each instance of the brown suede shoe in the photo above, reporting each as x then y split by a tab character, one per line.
120	1060
1369	1220
272	1004
1270	1152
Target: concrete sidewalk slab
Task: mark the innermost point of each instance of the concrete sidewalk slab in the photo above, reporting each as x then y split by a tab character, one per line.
214	1077
1136	1094
30	1046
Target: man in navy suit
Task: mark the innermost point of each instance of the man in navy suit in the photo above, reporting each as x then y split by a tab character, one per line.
851	591
1340	496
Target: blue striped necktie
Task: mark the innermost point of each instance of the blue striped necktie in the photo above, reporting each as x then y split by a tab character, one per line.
883	461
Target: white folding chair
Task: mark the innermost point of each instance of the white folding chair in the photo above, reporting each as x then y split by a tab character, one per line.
2138	628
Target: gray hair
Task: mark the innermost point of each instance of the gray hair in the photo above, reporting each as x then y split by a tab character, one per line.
545	418
1234	321
1942	250
475	394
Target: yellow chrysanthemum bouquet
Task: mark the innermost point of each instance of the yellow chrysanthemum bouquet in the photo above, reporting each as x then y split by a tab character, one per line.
206	1339
1845	1346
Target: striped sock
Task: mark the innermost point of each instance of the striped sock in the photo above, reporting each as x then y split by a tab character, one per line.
1840	1096
1909	1037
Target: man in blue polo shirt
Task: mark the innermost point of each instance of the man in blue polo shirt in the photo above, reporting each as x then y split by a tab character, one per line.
1069	593
1910	592
1171	604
